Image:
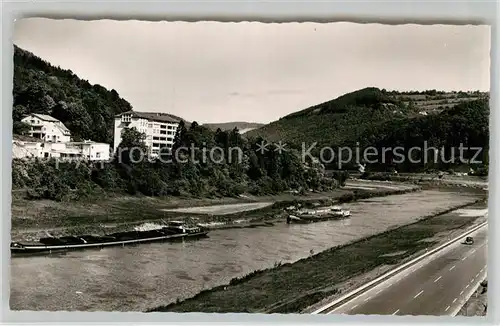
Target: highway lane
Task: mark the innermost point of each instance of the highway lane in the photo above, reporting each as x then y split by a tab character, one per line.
439	285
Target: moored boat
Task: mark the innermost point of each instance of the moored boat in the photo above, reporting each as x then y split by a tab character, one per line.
320	214
172	231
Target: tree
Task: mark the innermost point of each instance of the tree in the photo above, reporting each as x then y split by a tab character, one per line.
20	128
132	148
180	136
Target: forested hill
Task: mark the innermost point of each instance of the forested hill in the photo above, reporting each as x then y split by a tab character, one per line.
87	110
346	119
373	117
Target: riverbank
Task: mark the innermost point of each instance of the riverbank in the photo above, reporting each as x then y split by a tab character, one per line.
33	219
291	288
434	180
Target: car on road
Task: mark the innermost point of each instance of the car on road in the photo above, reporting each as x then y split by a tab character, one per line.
469	241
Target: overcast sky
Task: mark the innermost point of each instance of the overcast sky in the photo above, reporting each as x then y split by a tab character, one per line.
218	72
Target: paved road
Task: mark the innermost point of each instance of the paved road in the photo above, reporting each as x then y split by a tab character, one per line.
439	285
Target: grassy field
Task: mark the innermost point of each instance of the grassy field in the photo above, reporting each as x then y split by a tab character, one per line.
292	287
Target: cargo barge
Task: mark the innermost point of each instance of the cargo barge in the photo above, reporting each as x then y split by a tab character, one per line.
173	230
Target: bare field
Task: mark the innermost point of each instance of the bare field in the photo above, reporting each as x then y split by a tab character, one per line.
220	209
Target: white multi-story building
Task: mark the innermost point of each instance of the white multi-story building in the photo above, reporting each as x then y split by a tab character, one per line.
159	128
47	128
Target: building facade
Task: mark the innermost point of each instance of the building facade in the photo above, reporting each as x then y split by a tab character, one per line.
86	150
47	128
159	128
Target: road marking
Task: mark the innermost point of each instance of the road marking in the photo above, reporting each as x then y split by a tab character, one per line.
447	308
419	293
478	273
464	258
354	306
473	251
462	292
378	291
452	267
467	285
367	299
395	312
454	300
437	279
482	269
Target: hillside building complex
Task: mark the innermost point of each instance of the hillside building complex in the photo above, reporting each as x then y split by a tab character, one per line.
50	138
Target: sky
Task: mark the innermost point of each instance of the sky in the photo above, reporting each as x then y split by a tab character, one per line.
256	72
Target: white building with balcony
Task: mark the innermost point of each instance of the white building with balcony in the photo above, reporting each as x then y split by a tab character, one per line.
159	128
47	128
86	150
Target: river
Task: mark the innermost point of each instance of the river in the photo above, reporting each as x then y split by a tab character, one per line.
145	276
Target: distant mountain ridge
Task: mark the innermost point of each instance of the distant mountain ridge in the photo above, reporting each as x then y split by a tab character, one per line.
242	126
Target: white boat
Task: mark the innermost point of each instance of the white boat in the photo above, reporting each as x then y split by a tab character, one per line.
312	215
338	211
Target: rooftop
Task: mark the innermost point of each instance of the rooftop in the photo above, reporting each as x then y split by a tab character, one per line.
84	142
45	117
49	118
154	116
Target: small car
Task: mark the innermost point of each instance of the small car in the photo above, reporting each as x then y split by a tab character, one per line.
469	240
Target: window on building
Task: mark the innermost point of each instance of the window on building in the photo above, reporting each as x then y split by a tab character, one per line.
163	132
156	144
97	155
170	127
170	138
156	138
163	127
150	125
170	133
163	138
